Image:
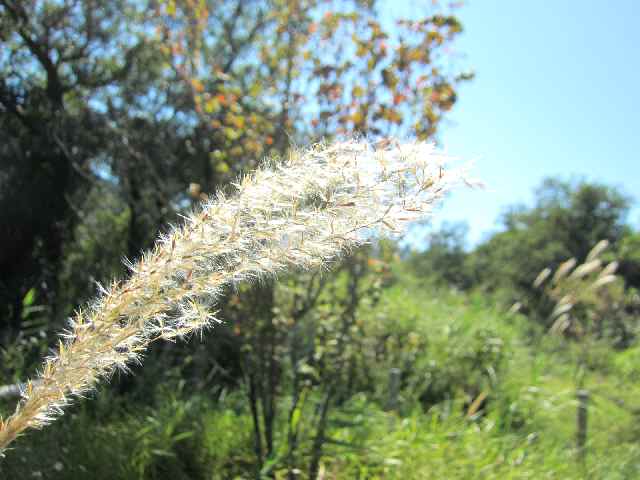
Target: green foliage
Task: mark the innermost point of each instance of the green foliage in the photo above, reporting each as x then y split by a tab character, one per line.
419	446
444	257
116	117
454	346
566	221
629	258
87	257
114	443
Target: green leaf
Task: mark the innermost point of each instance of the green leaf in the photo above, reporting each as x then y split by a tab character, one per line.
295	418
182	436
29	298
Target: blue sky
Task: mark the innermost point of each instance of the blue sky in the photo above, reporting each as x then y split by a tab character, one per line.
557	93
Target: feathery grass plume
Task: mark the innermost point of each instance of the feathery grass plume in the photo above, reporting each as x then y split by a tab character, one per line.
542	276
582	284
515	308
302	213
602	281
561	309
610	269
586	268
561	324
563	270
597	249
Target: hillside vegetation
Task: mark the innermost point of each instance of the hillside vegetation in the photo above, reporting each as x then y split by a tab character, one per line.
437	359
478	395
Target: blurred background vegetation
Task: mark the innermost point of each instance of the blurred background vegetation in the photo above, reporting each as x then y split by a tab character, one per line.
404	362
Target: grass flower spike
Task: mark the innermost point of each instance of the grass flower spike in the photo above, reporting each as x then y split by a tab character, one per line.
301	213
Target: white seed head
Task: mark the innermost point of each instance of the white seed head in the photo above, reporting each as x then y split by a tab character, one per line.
598	248
610	269
303	213
587	268
602	281
542	276
564	269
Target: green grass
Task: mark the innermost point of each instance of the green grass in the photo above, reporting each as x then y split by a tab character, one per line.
450	347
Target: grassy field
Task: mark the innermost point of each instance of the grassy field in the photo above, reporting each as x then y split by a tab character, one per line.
480	396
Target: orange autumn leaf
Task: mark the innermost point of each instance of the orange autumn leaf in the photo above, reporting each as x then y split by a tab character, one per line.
197	85
398	98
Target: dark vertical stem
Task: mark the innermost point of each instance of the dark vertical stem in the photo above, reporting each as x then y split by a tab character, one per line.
267	347
394	389
318	441
134	198
581	424
255	417
349	319
292	435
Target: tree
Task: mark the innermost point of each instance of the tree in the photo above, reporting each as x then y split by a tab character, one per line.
56	57
266	73
629	258
566	219
148	99
128	112
444	258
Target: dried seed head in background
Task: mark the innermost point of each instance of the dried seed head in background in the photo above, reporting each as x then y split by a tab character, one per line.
583	284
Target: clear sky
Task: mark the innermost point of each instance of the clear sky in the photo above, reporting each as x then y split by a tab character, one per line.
557	93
